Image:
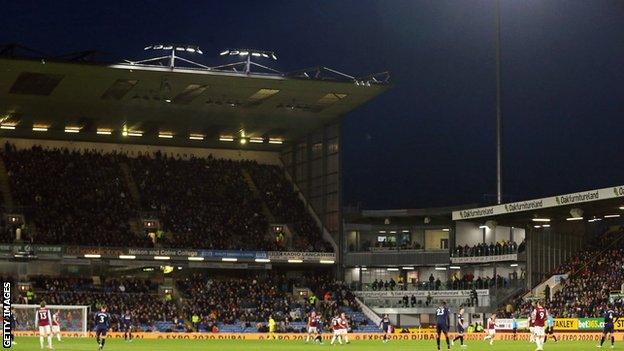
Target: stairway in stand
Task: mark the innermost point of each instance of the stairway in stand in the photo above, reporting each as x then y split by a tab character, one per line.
252	186
5	187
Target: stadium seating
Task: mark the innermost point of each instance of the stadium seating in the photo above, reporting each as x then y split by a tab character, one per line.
84	199
593	274
225	304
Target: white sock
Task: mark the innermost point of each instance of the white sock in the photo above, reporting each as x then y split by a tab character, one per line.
50	340
41	341
340	339
308	338
346	339
58	336
333	339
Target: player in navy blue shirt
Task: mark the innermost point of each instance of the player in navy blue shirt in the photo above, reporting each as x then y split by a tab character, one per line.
385	326
609	325
126	325
443	320
461	328
102	324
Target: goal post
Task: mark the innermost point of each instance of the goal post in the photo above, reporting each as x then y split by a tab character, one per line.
73	318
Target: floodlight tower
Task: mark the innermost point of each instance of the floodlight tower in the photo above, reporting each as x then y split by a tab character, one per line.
171	56
247	63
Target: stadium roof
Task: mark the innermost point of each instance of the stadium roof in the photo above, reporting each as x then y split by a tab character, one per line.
151	104
587	206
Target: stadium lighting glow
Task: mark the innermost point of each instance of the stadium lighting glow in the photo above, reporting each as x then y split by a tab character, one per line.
407	268
405	231
37	128
229	259
256	140
162	258
92	256
243	141
165	135
196	137
574	219
537	226
546	226
275	141
440	268
446	230
363	268
72	129
193	258
540	219
104	131
621	207
7	126
393	269
167	100
224	52
226	138
262	260
513	265
326	261
483	227
612	216
127	257
454	267
295	261
134	133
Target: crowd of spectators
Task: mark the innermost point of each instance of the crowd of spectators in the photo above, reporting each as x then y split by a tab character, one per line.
83	198
201	202
203	302
71	197
456	282
285	205
594	274
504	247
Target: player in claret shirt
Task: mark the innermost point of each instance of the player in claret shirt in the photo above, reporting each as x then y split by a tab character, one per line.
539	316
314	327
56	325
491	329
609	325
43	319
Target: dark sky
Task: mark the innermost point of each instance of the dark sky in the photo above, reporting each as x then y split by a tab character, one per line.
430	140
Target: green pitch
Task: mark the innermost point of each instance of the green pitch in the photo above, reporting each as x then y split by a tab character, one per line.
84	344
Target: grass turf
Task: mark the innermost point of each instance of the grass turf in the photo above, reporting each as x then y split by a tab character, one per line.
87	344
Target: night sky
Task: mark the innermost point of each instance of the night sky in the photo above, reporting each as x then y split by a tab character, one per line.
429	141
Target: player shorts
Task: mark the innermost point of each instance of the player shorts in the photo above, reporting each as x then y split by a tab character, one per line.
609	328
45	330
491	332
343	331
56	329
441	328
312	330
101	331
385	328
538	331
550	330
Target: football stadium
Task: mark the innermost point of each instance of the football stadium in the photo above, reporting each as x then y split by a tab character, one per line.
192	197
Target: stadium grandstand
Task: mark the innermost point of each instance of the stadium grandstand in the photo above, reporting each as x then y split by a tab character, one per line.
196	199
207	201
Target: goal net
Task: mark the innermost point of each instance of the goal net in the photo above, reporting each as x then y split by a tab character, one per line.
73	319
